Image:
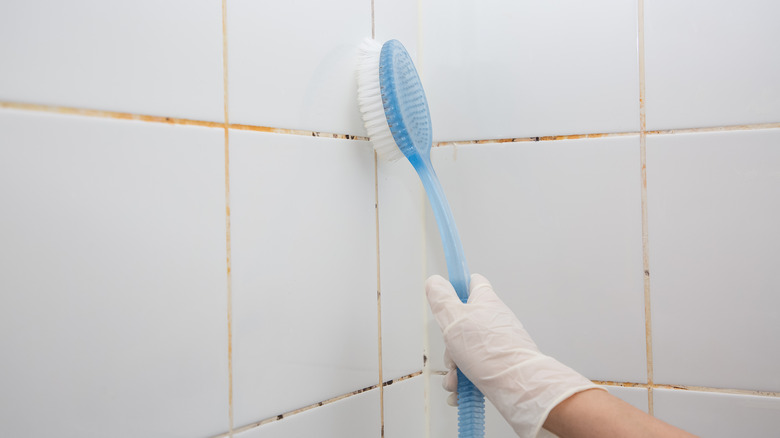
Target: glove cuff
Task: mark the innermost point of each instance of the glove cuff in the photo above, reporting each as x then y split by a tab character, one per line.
525	394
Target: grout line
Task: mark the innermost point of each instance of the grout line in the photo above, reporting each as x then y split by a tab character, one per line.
726	128
379	297
378	269
319	404
174	120
534	139
643	175
297	132
688	388
226	127
303	132
107	114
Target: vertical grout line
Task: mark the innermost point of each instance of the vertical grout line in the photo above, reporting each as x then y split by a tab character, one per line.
378	271
379	298
227	215
645	243
424	249
373	22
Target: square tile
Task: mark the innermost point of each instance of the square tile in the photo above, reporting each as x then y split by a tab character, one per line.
401	248
556	227
498	69
113	314
354	416
143	57
713	211
710	63
404	404
303	232
718	415
293	65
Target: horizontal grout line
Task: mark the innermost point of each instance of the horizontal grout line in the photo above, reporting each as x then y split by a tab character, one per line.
296	132
108	114
534	139
170	120
677	387
689	388
307	133
316	405
727	128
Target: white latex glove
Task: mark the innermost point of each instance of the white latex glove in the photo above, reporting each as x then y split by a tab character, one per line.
491	347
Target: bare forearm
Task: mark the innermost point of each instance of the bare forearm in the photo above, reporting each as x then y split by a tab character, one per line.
596	413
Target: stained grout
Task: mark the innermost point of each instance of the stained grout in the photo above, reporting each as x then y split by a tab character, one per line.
379	296
321	134
643	176
319	404
228	258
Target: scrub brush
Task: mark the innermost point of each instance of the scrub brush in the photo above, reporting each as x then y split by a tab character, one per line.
396	116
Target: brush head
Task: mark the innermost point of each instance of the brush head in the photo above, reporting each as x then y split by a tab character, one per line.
392	101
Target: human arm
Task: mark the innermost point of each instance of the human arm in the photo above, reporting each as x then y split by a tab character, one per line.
529	389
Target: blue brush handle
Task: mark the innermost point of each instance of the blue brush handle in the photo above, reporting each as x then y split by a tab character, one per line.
471	402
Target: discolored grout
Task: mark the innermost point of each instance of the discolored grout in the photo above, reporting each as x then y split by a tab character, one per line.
379	296
317	405
228	258
643	188
534	139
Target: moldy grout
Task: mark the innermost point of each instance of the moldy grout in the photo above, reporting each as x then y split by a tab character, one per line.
318	404
321	134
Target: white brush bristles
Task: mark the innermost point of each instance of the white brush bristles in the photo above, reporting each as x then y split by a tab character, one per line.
370	101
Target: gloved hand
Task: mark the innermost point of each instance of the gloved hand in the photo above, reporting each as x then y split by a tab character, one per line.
491	347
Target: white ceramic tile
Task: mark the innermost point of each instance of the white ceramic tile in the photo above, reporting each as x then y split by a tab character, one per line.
399	20
710	63
401	268
713	211
404	405
636	397
355	416
146	56
556	227
497	69
293	65
303	233
714	415
113	308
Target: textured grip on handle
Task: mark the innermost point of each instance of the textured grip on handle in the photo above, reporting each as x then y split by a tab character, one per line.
471	409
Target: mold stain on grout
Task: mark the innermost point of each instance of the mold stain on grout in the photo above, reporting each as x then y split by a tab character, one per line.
284	415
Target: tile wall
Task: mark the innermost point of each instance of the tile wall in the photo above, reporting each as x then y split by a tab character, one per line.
196	240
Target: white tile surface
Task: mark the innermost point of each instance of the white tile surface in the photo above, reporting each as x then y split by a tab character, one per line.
710	63
636	397
304	271
404	404
113	311
497	69
401	268
713	211
146	56
556	227
718	415
293	65
355	416
400	20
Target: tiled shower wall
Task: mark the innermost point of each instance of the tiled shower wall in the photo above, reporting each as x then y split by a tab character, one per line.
197	241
